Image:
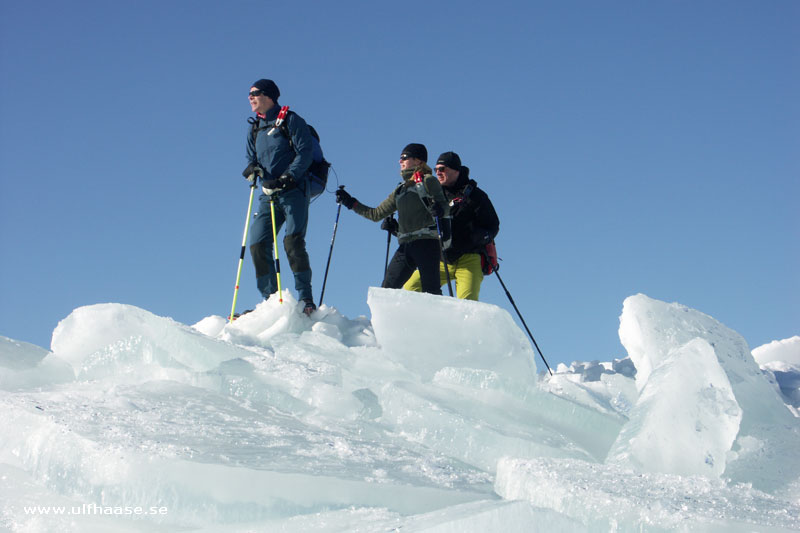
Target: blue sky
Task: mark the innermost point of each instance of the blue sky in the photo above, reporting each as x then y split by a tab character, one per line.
627	146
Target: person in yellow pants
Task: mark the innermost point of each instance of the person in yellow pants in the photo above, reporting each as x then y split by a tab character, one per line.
466	272
474	225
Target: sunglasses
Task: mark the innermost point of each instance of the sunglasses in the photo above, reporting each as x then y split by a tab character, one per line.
440	169
405	157
256	93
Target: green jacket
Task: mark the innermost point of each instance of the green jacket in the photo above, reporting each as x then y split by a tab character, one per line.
410	199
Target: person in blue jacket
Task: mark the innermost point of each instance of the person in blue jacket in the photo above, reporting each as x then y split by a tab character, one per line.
279	156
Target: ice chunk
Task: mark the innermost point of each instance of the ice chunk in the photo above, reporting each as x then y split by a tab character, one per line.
611	498
612	393
426	333
686	417
113	336
24	366
18	355
781	361
477	417
785	351
651	330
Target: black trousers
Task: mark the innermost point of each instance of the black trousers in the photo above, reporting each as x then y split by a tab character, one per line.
422	254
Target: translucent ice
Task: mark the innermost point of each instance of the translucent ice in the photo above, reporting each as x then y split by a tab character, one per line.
428	417
686	418
426	333
765	450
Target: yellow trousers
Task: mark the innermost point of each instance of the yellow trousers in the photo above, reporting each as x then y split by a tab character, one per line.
465	272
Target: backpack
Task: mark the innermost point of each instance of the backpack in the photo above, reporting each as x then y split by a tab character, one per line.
318	171
489	261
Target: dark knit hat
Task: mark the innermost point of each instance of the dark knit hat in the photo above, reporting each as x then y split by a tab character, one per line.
416	150
269	88
450	160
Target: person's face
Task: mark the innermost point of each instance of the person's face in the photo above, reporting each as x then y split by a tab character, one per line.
259	102
407	162
446	175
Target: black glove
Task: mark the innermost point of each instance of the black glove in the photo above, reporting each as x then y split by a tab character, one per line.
287	181
445	227
284	183
344	198
437	210
253	172
273	185
390	224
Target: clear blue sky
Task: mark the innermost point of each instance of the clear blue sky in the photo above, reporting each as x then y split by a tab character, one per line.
628	147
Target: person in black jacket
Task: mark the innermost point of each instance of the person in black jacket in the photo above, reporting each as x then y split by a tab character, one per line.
474	225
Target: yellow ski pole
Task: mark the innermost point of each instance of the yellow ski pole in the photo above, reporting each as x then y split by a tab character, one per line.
275	242
241	255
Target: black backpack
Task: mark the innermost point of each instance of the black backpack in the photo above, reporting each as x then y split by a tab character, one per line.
318	171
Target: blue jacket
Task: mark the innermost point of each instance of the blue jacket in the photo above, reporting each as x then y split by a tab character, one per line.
273	151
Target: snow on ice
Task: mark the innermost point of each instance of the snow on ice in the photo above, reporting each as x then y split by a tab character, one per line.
430	416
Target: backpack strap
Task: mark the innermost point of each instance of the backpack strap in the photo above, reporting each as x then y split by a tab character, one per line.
254	129
471	184
281	115
422	190
279	122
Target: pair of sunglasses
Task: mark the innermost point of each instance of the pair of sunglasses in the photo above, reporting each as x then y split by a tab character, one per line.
257	93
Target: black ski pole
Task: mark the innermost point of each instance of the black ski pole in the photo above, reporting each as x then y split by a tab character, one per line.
330	253
510	299
388	245
444	261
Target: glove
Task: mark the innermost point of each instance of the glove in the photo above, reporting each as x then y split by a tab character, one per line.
252	172
437	210
285	182
270	187
445	227
390	224
344	198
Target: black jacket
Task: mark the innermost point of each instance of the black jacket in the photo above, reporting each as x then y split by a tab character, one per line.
474	220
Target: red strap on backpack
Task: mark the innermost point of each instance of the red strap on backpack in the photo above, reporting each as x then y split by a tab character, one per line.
281	117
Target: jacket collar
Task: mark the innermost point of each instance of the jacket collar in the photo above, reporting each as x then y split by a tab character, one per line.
461	182
271	114
408	173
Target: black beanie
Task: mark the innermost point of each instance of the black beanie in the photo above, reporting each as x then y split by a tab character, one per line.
450	160
416	150
269	88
